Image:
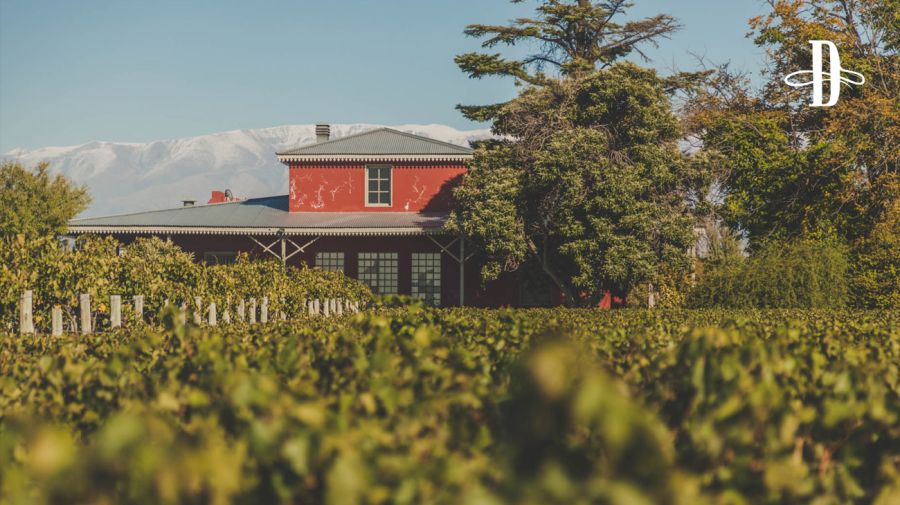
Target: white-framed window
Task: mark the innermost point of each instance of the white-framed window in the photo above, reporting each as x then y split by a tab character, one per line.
378	186
379	272
219	258
426	277
330	261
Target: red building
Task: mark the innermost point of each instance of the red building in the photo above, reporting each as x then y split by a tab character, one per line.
372	205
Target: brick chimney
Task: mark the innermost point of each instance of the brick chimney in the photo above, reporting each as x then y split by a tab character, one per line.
323	132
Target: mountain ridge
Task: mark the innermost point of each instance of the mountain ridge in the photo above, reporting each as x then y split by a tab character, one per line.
125	177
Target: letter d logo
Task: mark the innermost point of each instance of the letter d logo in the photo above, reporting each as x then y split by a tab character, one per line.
834	76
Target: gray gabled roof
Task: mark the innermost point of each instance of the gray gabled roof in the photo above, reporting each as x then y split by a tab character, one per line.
261	216
380	142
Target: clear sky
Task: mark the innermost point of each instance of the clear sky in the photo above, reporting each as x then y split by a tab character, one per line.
74	71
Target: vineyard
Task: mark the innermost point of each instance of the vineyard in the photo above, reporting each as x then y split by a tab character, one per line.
415	405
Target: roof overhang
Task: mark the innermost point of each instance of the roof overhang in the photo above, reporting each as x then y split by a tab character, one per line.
373	158
216	230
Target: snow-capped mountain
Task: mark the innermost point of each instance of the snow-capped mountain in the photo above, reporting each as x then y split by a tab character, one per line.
131	177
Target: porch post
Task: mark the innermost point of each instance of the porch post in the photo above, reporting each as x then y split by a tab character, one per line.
283	250
462	271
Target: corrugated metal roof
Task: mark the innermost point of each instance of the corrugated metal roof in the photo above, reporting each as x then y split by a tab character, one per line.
382	141
267	215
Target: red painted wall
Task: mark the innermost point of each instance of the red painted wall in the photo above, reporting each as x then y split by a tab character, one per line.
341	187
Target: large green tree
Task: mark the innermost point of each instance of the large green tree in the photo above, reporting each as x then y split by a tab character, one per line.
588	180
789	169
33	203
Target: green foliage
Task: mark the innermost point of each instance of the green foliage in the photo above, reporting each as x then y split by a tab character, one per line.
574	38
788	169
156	269
590	182
34	204
461	406
802	273
875	272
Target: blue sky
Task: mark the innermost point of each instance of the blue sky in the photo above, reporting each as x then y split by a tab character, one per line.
77	71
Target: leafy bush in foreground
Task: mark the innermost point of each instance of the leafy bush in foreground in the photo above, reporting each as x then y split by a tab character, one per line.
461	406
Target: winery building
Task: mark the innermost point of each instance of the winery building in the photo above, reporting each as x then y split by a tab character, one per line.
372	205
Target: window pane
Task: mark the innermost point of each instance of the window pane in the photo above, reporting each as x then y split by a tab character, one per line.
426	277
379	272
378	185
331	261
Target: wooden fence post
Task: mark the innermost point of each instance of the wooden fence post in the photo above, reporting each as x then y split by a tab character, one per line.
115	311
340	307
56	326
198	318
253	311
84	303
139	307
316	306
26	318
212	313
242	310
264	310
326	307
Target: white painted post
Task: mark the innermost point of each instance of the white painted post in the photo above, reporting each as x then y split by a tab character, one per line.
212	313
182	315
115	311
56	321
326	308
339	306
264	310
651	297
198	318
242	310
316	306
253	311
84	302
26	317
139	307
281	314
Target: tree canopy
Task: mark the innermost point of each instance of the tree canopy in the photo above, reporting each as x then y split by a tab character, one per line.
34	203
571	38
588	180
790	169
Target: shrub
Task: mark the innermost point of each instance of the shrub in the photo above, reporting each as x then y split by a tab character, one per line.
804	273
159	270
875	274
